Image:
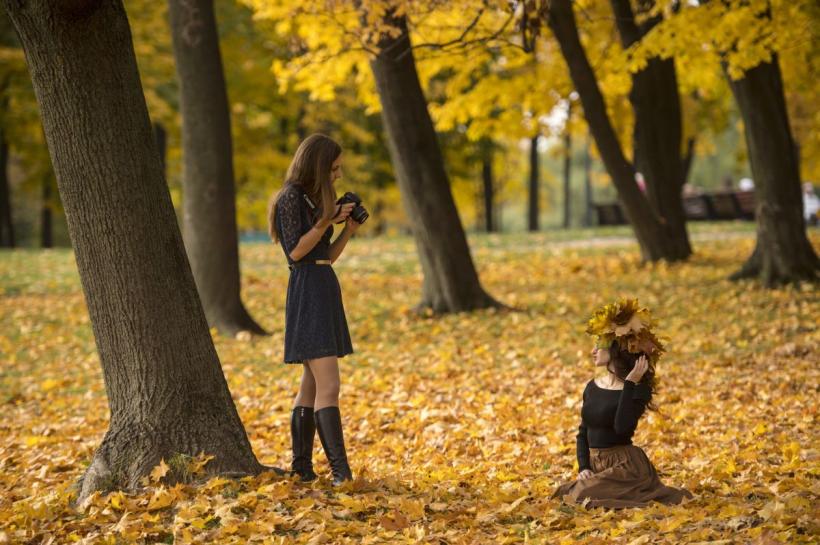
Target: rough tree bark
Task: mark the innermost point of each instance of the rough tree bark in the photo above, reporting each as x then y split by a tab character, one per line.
6	223
650	227
161	138
658	131
488	184
451	282
208	194
165	386
533	200
783	253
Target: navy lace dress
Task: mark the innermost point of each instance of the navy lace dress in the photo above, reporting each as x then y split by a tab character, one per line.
315	323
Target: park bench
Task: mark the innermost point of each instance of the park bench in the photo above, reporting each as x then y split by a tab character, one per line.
714	206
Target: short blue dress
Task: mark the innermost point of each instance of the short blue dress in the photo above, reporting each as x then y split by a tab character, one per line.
315	323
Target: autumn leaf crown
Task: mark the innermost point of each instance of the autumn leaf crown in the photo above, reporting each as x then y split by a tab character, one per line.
628	323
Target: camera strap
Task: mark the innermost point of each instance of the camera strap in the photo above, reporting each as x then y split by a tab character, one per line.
314	212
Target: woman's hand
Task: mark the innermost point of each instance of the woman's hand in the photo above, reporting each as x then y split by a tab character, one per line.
637	372
343	211
351	224
585	474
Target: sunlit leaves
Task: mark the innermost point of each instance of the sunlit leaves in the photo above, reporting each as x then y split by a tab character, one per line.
707	38
458	427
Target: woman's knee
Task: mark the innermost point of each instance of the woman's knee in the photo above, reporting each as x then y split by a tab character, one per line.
325	372
307	390
328	389
308	381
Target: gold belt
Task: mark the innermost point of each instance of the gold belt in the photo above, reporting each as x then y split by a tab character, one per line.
314	262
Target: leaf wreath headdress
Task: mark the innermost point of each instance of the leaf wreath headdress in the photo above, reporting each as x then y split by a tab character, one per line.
628	323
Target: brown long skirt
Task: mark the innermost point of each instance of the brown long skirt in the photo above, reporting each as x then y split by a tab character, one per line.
624	477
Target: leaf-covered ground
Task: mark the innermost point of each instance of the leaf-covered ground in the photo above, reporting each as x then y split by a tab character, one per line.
458	427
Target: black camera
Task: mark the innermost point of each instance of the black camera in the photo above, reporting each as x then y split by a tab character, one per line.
359	213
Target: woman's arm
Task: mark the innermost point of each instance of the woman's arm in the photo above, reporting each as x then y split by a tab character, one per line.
341	241
582	449
633	399
582	442
631	406
291	220
309	240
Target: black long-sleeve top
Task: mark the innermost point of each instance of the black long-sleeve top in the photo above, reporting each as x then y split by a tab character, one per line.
609	417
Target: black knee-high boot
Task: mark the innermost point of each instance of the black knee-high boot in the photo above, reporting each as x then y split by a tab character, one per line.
329	424
302	432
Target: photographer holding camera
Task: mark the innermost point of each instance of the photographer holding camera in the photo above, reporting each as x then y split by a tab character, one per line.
301	218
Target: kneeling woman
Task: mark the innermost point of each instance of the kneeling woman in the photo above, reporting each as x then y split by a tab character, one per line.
316	334
612	471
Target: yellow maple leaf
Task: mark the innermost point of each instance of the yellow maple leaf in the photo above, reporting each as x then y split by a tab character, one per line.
197	464
161	499
159	471
394	521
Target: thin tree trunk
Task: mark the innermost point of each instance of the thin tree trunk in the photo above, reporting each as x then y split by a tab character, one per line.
6	223
208	203
783	253
567	167
487	184
658	129
688	158
450	280
46	215
649	228
7	237
533	210
166	391
587	186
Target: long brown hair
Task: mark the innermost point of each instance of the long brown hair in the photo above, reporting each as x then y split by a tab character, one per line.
622	361
310	170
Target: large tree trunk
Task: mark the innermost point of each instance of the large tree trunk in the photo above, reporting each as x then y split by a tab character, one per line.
488	185
650	228
450	280
658	129
161	138
165	386
6	223
208	196
7	238
568	168
533	201
46	215
783	253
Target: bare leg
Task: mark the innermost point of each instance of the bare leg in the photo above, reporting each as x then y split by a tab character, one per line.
325	374
328	419
307	389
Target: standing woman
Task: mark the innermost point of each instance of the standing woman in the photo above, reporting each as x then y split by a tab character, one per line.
612	472
301	218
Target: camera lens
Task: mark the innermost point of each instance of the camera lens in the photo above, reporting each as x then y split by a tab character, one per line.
360	214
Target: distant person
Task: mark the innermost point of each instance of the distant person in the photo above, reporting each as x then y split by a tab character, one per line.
639	179
811	204
301	219
612	472
690	190
746	184
728	183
